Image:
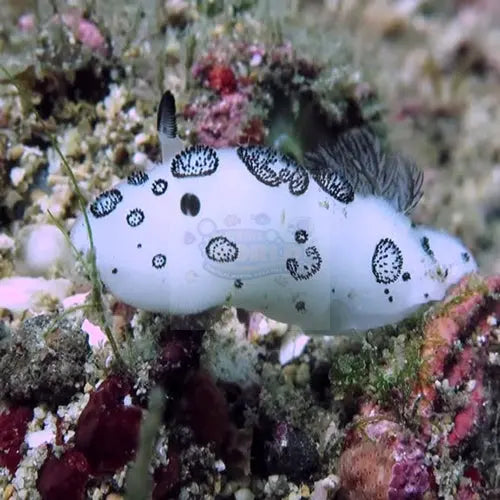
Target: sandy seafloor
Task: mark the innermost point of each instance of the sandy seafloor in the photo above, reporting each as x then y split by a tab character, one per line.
424	74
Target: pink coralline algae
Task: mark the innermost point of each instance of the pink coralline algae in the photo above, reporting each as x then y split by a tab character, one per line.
13	426
223	123
382	461
455	353
107	431
225	119
26	22
64	477
85	31
241	87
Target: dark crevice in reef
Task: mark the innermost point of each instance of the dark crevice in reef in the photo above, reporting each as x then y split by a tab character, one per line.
89	83
310	126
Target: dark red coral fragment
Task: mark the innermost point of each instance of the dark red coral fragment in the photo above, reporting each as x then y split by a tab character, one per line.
65	477
107	431
167	478
13	426
179	354
206	409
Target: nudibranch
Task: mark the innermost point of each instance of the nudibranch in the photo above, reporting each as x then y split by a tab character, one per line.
326	245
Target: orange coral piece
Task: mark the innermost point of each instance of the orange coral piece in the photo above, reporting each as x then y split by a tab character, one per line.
366	471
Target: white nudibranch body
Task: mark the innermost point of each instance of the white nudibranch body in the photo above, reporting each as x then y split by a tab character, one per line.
325	245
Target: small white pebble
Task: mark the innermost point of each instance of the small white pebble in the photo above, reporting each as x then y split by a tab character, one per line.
6	242
220	466
140	159
325	488
491	320
108	361
39	413
32	151
141	138
292	345
255	60
133	116
35	439
243	494
17	175
471	385
68	435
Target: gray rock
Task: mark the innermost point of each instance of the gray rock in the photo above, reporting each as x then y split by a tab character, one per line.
37	369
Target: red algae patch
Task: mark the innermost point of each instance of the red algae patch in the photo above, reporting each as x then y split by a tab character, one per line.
13	427
107	432
64	477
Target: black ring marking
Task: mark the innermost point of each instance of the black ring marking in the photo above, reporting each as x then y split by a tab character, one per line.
387	261
159	186
301	236
195	161
266	165
137	178
220	249
159	261
301	272
258	160
105	203
135	217
300	306
334	185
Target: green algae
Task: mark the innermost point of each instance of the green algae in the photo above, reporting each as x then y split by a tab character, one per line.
386	372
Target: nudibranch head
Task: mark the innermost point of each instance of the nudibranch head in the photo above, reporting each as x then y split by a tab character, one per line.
448	259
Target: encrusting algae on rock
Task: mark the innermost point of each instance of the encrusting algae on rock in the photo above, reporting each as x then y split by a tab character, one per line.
382	458
237	424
